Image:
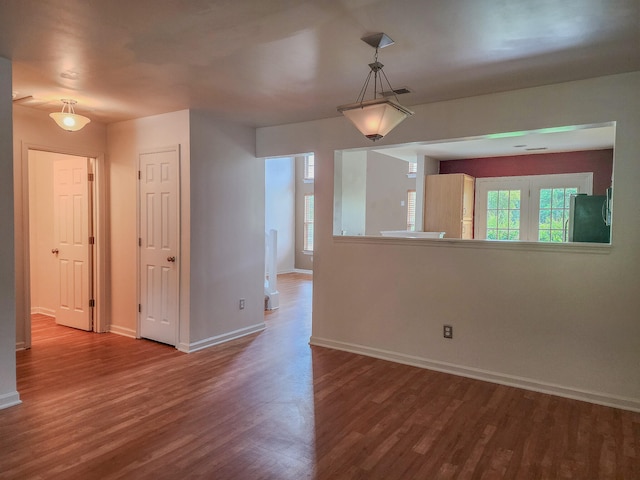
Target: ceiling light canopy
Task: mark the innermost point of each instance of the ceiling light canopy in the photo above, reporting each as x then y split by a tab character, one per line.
67	119
376	117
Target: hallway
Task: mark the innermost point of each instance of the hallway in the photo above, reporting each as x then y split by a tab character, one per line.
268	406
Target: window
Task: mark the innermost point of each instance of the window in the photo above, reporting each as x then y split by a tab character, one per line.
529	208
413	169
411	210
554	213
309	167
308	223
503	214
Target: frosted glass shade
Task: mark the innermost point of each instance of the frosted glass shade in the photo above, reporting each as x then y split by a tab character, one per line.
72	122
375	118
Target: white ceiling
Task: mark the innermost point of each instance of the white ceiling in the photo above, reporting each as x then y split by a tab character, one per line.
569	139
268	62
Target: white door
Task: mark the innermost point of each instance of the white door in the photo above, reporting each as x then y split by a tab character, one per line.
159	245
72	243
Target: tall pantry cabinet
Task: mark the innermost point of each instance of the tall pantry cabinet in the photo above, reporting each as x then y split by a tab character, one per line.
448	204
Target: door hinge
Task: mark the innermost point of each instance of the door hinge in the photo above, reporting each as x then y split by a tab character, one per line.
92	303
139	308
139	175
92	240
91	177
140	241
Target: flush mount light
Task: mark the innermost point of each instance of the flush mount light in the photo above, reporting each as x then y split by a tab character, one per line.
378	116
68	119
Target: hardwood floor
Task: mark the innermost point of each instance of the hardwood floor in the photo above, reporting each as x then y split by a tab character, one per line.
269	406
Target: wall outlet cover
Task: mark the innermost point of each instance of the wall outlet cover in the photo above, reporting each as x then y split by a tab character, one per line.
447	331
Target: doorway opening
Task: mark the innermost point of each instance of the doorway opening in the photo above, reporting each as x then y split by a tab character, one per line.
64	249
289	211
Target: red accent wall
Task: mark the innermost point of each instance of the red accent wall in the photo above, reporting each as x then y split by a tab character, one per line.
600	162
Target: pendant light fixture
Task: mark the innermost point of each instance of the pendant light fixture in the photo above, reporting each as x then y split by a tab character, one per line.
68	119
378	116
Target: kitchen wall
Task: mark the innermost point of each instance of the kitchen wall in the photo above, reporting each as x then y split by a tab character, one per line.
560	319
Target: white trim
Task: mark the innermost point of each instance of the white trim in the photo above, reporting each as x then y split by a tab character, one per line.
43	311
295	270
598	398
9	400
301	270
125	332
547	247
99	214
20	346
218	339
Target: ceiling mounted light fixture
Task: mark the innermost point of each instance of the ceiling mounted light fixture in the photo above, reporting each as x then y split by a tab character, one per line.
68	119
378	116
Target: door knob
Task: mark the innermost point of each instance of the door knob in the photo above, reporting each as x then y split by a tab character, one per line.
171	259
55	251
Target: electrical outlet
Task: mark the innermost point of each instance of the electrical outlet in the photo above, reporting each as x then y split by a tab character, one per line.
447	331
241	304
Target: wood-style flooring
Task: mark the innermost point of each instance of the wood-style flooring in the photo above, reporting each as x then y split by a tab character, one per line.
269	406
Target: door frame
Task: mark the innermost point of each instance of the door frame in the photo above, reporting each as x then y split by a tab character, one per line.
100	323
178	151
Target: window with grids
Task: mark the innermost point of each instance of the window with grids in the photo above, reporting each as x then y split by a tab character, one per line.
309	166
411	210
413	168
503	215
308	223
527	208
554	213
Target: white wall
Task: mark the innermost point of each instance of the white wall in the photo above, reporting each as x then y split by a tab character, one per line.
41	236
8	393
280	207
33	129
387	187
351	179
126	140
227	231
554	319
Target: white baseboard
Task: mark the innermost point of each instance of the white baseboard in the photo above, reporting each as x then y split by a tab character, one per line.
488	376
43	311
211	341
9	400
21	346
295	270
125	332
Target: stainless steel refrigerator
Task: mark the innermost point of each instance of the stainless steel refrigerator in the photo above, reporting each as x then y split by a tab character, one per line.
588	219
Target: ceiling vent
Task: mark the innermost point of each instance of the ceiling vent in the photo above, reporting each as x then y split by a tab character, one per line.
396	91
